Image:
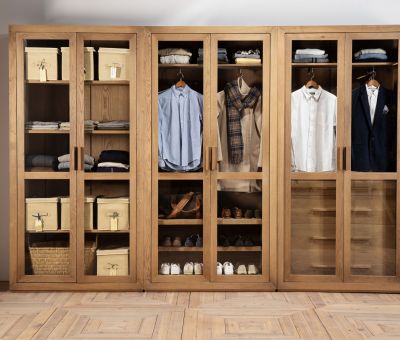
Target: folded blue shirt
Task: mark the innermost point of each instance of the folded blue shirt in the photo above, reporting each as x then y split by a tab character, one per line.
368	56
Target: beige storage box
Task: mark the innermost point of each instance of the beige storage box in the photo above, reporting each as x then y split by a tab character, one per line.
113	213
65	213
113	63
41	58
41	214
113	262
88	62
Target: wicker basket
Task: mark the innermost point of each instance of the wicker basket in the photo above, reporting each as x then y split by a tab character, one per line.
53	258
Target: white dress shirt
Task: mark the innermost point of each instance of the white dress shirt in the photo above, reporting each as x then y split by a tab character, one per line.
372	99
313	130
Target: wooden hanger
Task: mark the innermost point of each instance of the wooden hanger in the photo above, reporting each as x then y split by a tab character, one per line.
181	82
311	84
372	82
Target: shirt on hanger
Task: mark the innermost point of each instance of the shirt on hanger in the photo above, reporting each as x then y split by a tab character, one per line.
180	116
251	125
372	100
313	130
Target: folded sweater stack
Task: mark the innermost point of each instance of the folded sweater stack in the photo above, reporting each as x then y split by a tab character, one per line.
113	125
113	161
247	57
310	55
174	56
64	162
41	162
371	54
222	56
38	125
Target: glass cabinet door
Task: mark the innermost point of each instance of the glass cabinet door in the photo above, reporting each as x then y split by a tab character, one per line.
106	215
238	158
313	176
371	180
46	225
180	105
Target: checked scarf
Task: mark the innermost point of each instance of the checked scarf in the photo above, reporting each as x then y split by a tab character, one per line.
235	105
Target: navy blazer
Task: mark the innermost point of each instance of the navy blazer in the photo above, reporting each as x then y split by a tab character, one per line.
373	145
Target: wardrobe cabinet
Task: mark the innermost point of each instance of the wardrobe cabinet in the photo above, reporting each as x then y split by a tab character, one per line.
283	217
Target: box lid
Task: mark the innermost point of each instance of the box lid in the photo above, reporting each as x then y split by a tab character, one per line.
41	49
64	49
124	200
87	199
113	50
64	199
116	251
89	49
90	199
41	200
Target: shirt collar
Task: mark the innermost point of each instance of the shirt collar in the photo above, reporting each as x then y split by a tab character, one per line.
177	91
308	95
371	92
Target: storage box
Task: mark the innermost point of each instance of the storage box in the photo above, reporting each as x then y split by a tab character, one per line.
37	58
41	213
87	59
113	63
65	213
113	213
113	262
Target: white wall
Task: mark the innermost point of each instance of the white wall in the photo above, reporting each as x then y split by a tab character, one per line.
167	12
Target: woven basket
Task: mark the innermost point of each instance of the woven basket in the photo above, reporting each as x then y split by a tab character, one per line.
53	258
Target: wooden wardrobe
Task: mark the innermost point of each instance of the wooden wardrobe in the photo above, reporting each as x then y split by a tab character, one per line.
335	230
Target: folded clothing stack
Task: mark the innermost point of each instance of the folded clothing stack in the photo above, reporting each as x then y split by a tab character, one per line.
38	125
222	56
371	54
113	161
39	161
247	57
90	125
113	125
311	55
174	56
65	126
64	162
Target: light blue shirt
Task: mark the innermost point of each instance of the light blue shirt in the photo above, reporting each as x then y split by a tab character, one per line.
180	132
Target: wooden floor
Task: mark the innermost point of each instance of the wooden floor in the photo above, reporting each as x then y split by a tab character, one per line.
199	316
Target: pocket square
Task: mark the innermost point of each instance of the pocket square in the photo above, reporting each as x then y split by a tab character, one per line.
385	110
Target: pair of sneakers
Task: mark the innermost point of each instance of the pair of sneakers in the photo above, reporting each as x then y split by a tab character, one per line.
170	269
228	269
225	269
191	268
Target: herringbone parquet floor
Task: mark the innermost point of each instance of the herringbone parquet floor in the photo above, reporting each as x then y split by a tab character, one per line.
199	316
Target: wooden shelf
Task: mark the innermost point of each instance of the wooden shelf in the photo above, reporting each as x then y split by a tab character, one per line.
181	222
235	66
180	65
106	82
315	65
180	249
47	132
176	176
49	82
236	221
46	175
322	210
322	238
374	64
58	231
108	132
96	231
107	176
237	249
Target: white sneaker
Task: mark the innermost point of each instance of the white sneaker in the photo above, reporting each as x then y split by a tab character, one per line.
198	268
219	268
176	269
241	269
252	269
228	268
188	268
165	269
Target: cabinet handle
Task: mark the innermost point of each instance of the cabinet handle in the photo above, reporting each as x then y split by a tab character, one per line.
338	159
345	158
82	159
75	158
213	158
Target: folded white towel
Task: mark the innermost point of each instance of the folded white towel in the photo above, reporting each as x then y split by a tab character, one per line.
370	51
112	165
314	51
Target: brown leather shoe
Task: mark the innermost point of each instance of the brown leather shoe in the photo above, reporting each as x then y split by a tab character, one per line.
177	242
226	213
237	212
166	242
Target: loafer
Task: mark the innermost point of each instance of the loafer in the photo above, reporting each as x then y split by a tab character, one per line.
241	269
165	269
167	241
239	241
198	268
177	242
249	213
176	269
248	242
223	241
189	241
226	213
257	213
252	269
228	268
188	268
199	241
237	212
219	268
